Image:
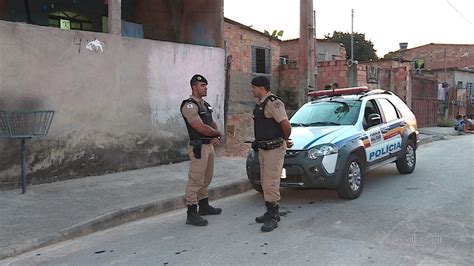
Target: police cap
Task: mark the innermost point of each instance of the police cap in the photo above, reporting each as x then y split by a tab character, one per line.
261	81
198	77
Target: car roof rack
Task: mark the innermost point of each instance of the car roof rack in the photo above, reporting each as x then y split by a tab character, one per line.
339	92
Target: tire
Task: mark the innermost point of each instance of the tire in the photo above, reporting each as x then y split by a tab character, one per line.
406	164
352	180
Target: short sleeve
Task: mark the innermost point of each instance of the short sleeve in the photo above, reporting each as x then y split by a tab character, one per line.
190	112
276	110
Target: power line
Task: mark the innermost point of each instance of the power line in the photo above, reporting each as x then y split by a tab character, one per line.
459	12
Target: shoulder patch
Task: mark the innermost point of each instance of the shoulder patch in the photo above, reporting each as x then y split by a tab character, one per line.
190	106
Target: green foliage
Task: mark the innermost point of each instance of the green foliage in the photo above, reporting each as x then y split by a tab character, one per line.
391	55
275	33
363	49
289	98
445	122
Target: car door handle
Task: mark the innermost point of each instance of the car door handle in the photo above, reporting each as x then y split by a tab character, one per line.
384	130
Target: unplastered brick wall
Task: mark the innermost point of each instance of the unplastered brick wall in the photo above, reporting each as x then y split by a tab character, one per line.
239	41
435	55
332	71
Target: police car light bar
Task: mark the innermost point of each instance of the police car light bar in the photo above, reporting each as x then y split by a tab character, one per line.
339	92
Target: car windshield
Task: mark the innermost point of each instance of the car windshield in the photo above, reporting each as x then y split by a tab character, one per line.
327	113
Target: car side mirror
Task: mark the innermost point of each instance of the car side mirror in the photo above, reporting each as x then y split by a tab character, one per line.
374	119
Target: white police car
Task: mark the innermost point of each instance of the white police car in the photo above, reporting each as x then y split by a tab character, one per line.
343	134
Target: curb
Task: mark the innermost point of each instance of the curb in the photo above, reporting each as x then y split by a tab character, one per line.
119	217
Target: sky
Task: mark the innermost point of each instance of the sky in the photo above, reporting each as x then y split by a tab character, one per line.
385	22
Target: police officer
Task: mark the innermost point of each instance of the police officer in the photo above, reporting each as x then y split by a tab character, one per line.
203	135
272	132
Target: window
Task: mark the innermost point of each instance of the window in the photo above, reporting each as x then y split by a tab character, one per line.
327	113
69	20
459	85
370	108
261	60
388	110
419	64
284	60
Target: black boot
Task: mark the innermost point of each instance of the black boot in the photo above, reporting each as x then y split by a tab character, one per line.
270	217
206	209
261	219
193	217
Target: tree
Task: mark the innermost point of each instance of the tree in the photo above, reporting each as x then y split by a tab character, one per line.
363	49
391	55
275	33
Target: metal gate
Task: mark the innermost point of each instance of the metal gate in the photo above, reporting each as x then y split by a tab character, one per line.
425	101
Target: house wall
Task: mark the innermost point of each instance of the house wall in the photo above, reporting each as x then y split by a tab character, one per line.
115	110
435	56
239	41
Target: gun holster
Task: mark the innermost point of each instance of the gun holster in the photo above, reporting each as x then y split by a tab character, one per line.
197	147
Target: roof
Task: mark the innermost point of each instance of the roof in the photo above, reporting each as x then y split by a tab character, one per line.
228	20
435	44
318	40
467	70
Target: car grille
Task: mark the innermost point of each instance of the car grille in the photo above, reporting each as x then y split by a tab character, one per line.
292	154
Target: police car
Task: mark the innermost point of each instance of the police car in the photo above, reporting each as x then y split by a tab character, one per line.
343	134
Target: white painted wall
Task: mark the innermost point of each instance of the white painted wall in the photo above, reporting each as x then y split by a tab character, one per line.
115	110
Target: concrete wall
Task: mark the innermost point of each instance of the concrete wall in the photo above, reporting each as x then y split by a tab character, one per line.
115	110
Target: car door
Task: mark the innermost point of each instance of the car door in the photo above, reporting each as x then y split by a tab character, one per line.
391	128
373	139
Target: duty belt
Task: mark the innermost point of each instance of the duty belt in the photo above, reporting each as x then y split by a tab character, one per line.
197	146
268	144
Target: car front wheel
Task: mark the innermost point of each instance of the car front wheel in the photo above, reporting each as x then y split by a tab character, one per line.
406	164
352	181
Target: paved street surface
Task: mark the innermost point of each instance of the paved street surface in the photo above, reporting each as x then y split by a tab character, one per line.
423	218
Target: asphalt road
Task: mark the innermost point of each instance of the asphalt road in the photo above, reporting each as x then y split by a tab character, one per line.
423	218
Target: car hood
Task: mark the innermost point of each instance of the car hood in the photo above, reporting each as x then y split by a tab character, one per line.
308	137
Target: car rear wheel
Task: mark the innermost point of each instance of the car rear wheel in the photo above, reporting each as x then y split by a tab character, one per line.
406	164
352	181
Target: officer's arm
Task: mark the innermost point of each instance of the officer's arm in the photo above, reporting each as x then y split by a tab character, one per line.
214	124
286	128
204	129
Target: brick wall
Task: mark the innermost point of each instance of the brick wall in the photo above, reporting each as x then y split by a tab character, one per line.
239	41
434	55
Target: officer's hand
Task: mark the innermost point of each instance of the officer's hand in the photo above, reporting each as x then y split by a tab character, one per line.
289	143
215	142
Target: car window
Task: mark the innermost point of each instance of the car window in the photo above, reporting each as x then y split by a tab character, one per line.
370	108
327	113
389	111
401	107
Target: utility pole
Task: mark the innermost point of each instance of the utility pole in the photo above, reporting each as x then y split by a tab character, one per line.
306	51
352	37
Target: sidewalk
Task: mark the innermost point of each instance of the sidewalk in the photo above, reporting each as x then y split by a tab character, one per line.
51	213
430	134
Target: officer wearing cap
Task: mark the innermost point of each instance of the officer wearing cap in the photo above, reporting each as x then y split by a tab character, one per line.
203	136
272	131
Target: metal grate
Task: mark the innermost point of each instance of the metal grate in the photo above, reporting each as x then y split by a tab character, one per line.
25	124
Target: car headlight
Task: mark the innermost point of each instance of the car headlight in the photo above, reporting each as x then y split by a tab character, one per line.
322	150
